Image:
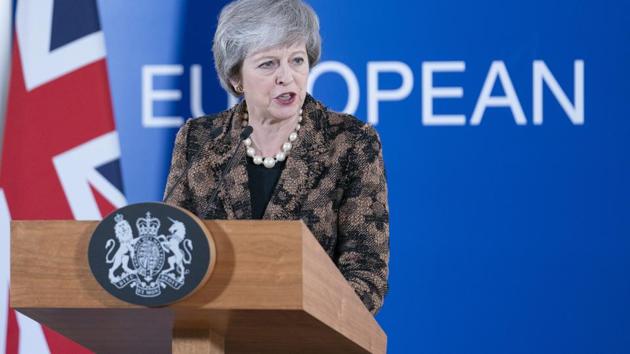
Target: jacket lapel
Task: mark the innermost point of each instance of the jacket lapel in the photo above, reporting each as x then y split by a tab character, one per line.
234	193
304	167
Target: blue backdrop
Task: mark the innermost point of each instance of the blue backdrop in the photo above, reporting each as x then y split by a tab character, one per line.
509	200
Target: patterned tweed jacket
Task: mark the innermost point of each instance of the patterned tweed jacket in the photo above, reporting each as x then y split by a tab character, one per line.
334	180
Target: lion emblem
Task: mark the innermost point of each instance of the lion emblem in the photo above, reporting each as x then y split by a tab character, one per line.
125	251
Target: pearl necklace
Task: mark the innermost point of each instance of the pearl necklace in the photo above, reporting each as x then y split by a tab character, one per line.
271	161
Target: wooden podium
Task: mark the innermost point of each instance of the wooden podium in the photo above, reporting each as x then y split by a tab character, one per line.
273	290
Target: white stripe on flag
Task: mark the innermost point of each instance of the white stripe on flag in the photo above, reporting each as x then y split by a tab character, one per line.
32	339
76	169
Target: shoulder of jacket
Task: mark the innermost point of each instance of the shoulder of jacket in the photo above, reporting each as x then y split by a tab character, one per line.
350	125
208	126
208	121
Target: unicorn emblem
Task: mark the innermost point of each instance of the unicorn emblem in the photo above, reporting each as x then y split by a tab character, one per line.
171	243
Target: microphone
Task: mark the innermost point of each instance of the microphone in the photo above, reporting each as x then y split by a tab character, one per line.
247	131
213	134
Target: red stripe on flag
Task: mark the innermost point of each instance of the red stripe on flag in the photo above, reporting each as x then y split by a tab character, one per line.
59	344
13	333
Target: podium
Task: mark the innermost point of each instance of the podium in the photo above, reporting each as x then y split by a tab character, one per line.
273	290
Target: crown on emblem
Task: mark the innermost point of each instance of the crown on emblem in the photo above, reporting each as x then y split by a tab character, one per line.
148	226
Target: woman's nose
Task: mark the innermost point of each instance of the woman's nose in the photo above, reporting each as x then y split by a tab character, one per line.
283	75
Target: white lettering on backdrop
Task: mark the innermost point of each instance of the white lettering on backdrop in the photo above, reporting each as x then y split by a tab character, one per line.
497	74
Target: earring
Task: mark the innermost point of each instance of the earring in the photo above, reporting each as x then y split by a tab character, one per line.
239	88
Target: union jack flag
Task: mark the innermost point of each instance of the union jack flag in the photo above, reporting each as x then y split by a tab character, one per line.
60	156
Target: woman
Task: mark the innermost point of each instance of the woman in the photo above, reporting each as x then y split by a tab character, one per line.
302	161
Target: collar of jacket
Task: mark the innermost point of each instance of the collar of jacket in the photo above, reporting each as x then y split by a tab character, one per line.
304	167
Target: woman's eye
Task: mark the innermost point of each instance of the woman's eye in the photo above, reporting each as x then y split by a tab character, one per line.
267	64
298	60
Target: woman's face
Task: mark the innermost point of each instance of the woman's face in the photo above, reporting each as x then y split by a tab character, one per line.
274	81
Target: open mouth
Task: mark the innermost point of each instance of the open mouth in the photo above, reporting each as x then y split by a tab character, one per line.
286	98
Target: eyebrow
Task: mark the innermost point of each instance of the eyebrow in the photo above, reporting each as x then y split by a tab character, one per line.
257	58
299	52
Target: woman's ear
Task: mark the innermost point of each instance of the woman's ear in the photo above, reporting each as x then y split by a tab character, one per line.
238	87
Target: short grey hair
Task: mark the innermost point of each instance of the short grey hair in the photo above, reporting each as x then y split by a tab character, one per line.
247	26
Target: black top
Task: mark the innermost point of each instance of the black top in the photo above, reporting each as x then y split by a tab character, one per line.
262	182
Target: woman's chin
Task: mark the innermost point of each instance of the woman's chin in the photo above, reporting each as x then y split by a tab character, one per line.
285	111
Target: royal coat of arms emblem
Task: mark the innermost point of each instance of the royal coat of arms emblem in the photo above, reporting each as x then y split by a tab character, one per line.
151	254
139	261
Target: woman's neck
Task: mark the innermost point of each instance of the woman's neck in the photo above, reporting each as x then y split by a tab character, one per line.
270	133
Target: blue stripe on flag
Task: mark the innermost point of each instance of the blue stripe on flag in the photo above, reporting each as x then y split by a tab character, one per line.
111	172
73	19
